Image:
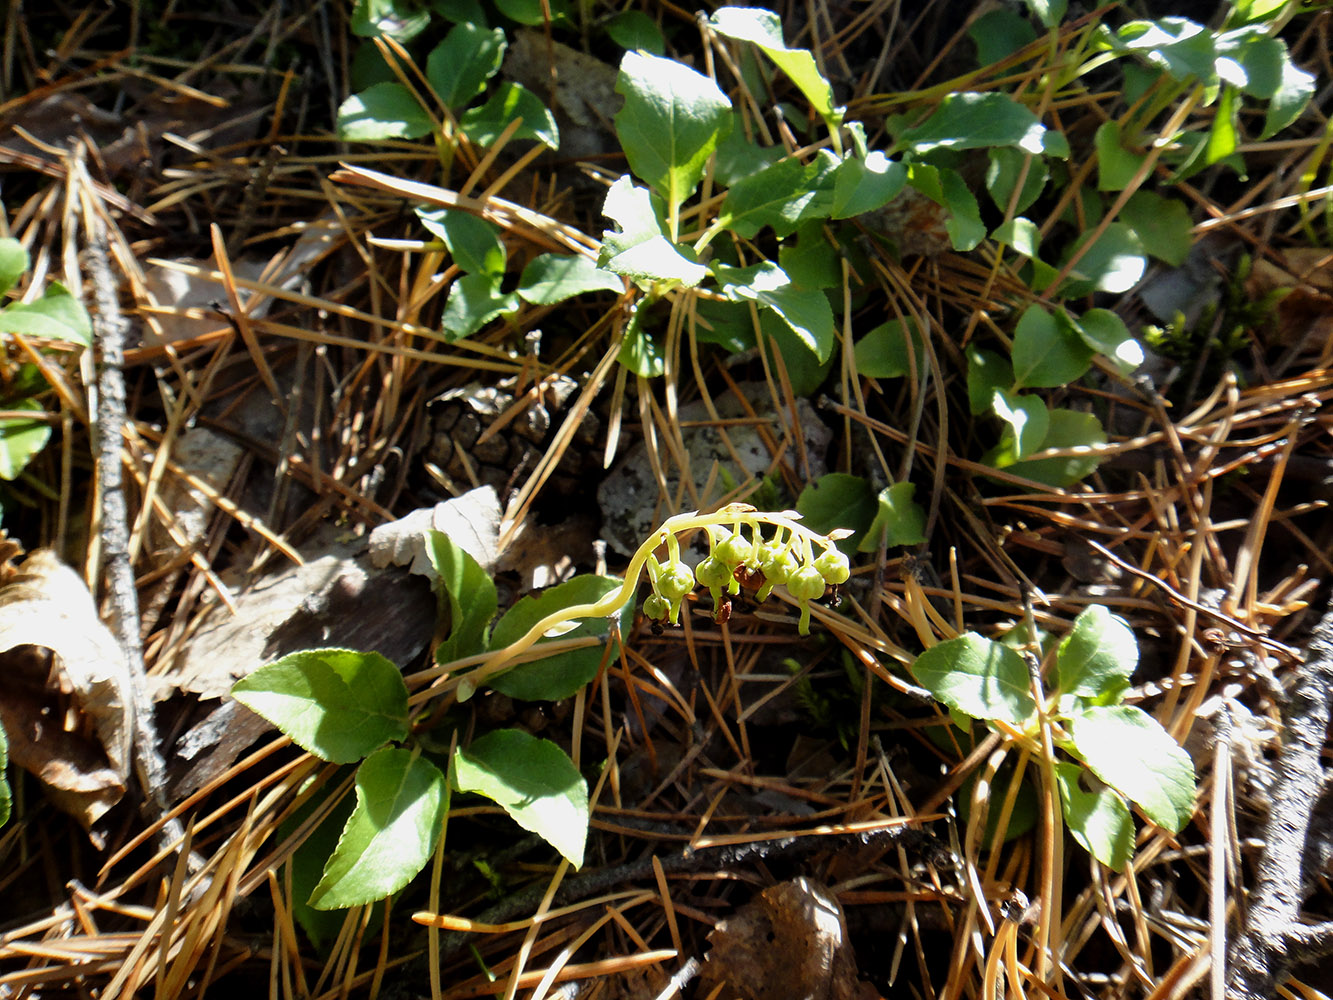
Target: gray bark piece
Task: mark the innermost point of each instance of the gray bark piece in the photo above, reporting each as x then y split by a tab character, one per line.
629	498
1275	937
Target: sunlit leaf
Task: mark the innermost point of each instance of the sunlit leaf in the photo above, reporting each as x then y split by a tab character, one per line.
1131	752
339	704
400	805
978	677
534	781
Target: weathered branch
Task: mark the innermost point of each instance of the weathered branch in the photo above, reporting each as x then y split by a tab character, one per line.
1274	937
108	423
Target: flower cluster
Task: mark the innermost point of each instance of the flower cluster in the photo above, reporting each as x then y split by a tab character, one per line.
754	563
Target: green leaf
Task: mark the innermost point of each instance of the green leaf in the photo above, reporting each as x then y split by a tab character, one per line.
1127	749
401	20
1068	429
1027	420
964	224
400	805
640	352
1006	166
1116	165
976	120
470	596
307	862
1113	263
1250	11
640	251
1097	658
1178	45
1047	350
57	315
633	29
382	111
483	125
21	439
900	520
804	369
885	352
1049	12
474	300
1224	135
839	500
534	782
1162	225
738	157
13	262
1106	333
764	29
561	674
782	196
459	66
554	277
805	310
338	704
671	122
1099	820
1021	234
986	372
809	261
1293	94
458	11
865	185
473	242
978	677
1260	57
728	324
533	12
998	34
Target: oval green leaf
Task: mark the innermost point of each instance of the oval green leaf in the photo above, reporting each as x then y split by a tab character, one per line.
534	781
338	704
671	122
400	804
554	277
459	66
885	351
978	677
382	111
21	439
1127	749
1047	350
13	262
484	124
839	500
560	675
1098	820
1097	658
900	520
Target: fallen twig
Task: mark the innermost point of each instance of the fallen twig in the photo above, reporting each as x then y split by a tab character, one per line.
1274	937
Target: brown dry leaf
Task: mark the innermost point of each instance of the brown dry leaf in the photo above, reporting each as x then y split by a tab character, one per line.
1305	313
471	521
60	668
790	942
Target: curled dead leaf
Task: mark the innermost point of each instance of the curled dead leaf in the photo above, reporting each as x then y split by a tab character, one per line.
65	694
788	942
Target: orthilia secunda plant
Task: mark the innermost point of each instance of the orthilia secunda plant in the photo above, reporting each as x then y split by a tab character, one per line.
735	561
740	556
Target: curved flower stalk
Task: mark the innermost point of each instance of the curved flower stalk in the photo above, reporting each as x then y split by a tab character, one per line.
786	558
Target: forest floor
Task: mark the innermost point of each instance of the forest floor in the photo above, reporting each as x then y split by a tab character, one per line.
774	815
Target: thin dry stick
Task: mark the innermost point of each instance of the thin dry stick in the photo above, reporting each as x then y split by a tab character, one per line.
109	421
1275	938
